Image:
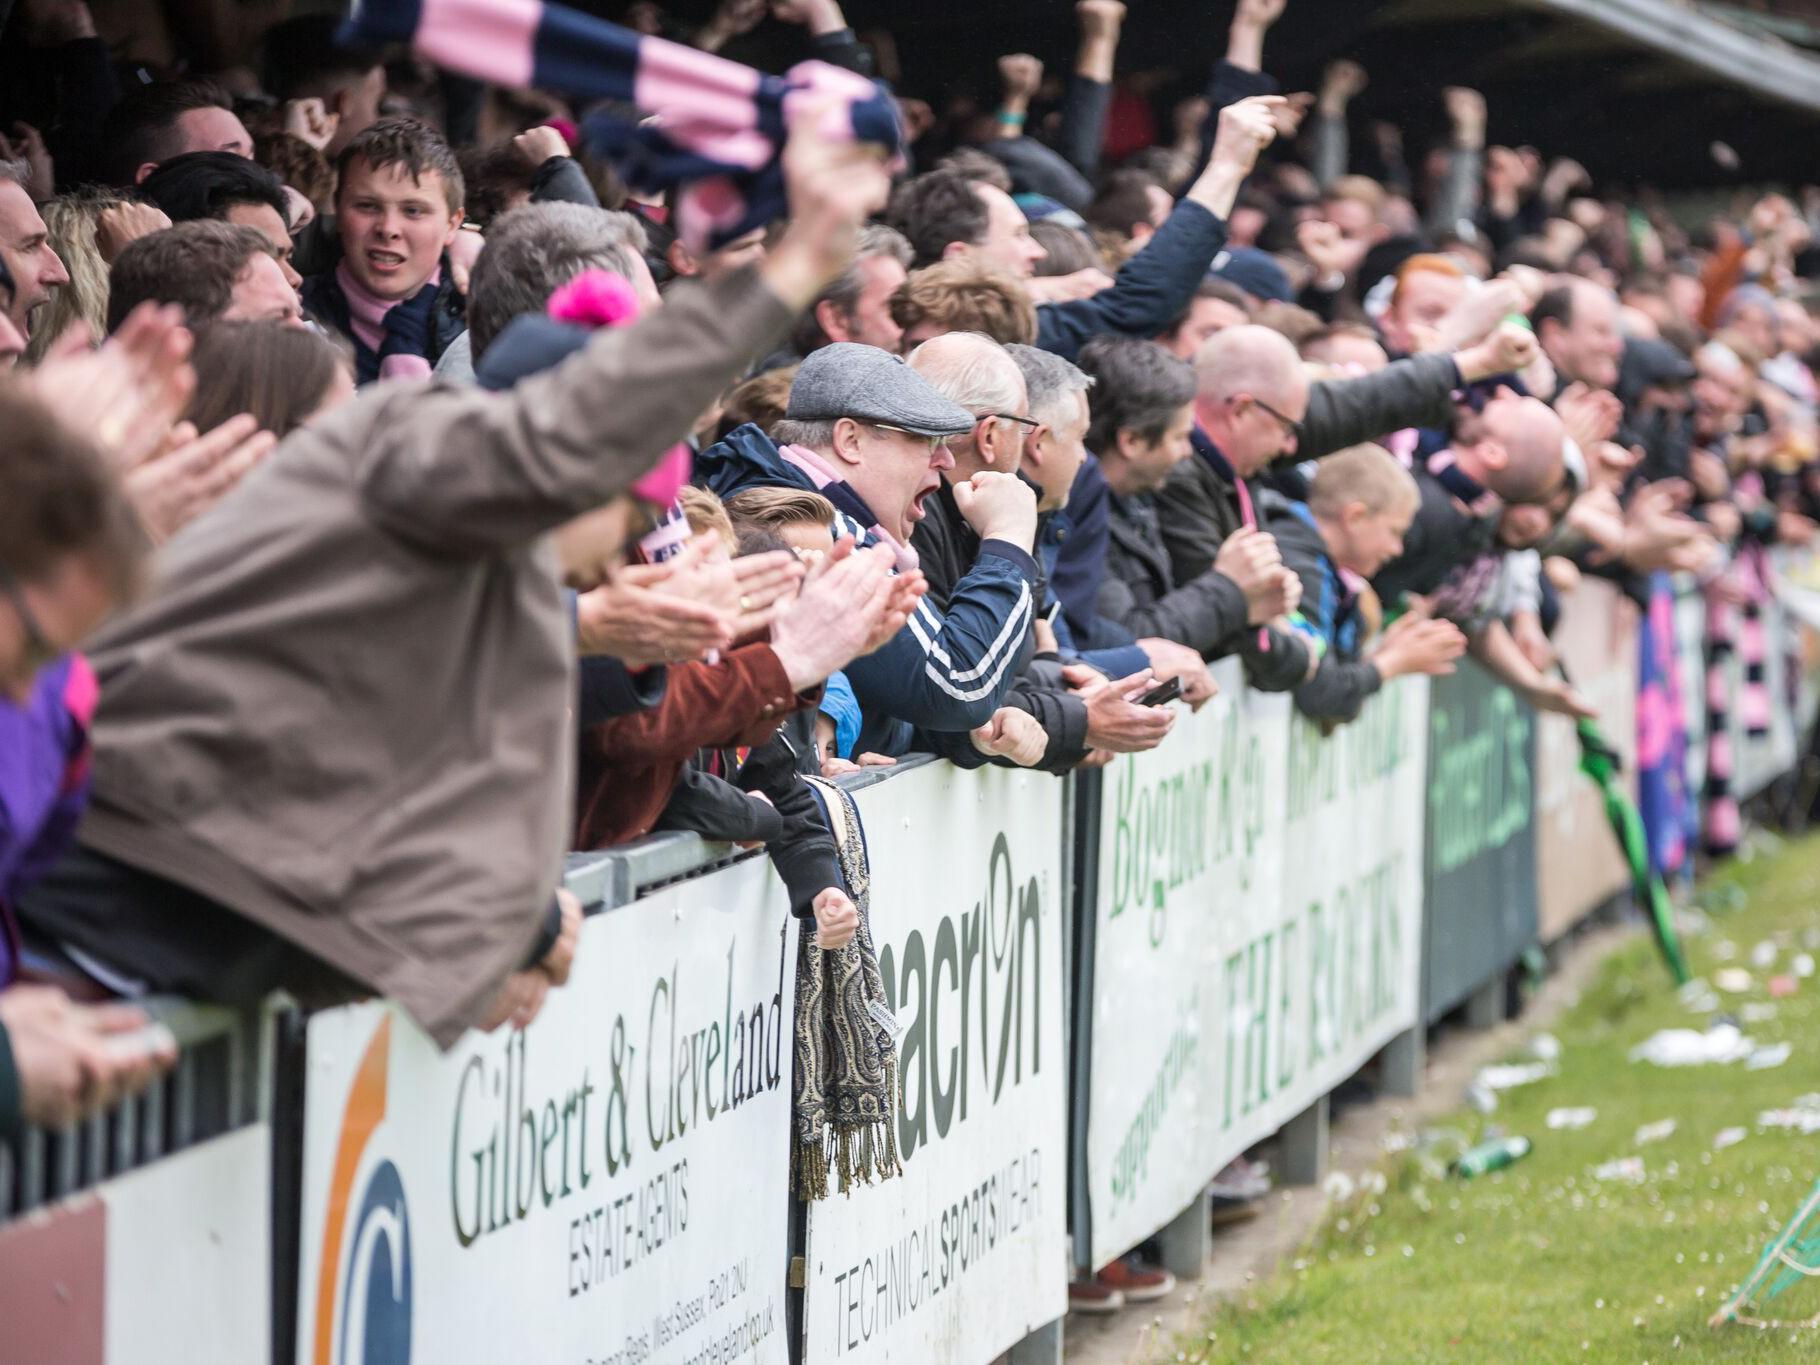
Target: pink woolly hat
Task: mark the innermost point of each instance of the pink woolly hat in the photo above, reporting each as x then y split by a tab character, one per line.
599	298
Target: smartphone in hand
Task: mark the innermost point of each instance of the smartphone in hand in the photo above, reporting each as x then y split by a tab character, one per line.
1161	693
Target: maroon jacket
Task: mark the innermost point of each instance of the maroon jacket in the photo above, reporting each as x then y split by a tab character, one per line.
629	765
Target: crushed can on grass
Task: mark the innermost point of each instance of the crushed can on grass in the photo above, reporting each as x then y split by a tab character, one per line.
1491	1156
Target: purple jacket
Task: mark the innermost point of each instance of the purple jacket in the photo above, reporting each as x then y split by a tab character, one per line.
44	771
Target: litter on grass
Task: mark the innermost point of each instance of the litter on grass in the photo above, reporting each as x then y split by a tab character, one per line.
1545	1047
1512	1074
1571	1118
1783	986
1655	1132
1626	1170
1763	956
1698	996
1756	1011
1766	1057
1719	1045
1803	1116
1729	1137
1803	965
1732	979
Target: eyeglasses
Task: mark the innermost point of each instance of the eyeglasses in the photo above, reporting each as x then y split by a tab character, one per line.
934	443
1288	425
38	649
1029	422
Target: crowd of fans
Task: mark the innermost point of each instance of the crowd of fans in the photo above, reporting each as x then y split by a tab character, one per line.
392	501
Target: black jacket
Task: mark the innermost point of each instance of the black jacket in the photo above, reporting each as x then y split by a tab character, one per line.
946	547
1139	587
1342	681
605	688
561	180
1413	392
1445	539
796	838
1207	612
324	301
1198	509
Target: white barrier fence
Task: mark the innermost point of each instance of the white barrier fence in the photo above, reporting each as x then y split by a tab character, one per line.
1256	939
611	1185
966	1252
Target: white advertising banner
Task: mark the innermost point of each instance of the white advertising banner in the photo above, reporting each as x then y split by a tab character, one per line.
1244	963
966	1252
189	1254
608	1186
1190	871
169	1264
1350	947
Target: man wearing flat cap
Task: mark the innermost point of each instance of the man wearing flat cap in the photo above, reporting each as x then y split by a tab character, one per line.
865	431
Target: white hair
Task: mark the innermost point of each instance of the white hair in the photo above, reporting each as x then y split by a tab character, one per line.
973	371
1048	379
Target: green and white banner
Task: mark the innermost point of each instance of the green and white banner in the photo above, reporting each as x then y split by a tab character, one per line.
1257	938
965	1253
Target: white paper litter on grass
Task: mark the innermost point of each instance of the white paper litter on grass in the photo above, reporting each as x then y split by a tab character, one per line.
1698	997
1545	1047
1733	979
1766	1057
1729	1137
1627	1170
1511	1074
1763	956
1719	1045
1571	1118
1803	1116
1803	964
1655	1132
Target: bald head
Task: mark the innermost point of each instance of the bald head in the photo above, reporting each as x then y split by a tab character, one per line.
1250	392
1248	360
1529	461
980	375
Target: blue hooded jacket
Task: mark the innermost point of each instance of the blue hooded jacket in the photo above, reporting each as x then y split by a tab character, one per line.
942	671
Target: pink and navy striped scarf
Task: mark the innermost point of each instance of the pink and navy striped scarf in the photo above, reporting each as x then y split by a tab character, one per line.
719	126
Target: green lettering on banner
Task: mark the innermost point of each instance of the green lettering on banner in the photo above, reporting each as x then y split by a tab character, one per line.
1287	967
1320	978
1234	961
1160	839
1131	1164
1479	793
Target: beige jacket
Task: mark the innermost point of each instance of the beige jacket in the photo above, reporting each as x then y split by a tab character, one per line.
345	709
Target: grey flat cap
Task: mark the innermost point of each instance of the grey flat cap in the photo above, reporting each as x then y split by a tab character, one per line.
847	379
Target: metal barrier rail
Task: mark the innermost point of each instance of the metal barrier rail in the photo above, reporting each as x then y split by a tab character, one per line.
224	1075
610	878
222	1081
